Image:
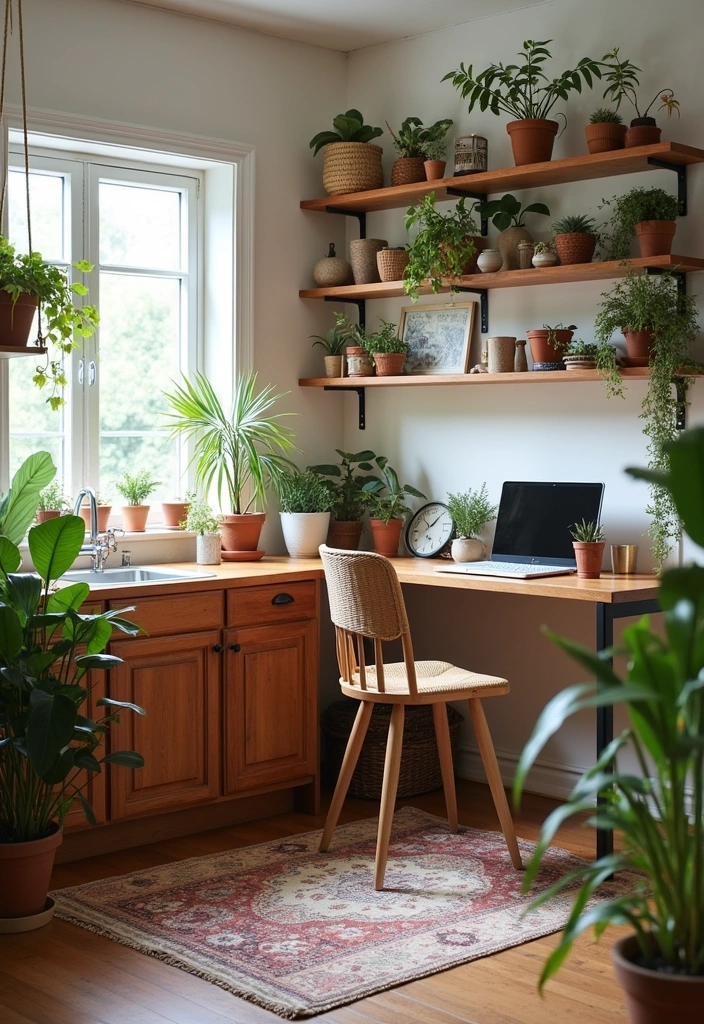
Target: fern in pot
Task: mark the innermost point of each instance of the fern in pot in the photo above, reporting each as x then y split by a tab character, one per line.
471	510
445	245
648	214
306	503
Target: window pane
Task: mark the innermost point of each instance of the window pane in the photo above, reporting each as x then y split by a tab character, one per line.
140	227
139	356
33	426
47	211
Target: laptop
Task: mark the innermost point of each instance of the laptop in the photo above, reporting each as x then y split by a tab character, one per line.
532	536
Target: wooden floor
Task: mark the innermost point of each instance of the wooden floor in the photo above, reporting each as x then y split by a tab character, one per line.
64	975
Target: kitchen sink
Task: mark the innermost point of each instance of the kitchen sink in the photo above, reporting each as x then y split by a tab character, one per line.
128	574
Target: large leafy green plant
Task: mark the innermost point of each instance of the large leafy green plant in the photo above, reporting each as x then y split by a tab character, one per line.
243	451
346	482
443	246
349	127
414	140
507	211
658	809
47	649
387	495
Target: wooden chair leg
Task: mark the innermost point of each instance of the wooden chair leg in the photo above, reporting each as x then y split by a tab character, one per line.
493	775
349	763
392	765
442	736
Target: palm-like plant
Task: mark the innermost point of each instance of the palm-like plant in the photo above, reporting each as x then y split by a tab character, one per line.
244	451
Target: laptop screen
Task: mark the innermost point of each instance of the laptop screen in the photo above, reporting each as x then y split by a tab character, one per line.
534	520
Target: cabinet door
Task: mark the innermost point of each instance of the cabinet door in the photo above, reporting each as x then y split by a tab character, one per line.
271	704
177	682
96	790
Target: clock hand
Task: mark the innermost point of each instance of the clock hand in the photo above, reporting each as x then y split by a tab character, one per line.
434	521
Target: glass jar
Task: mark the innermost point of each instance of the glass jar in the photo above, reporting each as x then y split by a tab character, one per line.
471	153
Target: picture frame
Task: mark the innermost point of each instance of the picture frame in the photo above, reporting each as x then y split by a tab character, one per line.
438	337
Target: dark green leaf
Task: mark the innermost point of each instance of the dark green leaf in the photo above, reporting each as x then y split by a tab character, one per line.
84	759
102	661
49	728
108	701
125	758
10	558
11	635
25	590
87	809
71	596
60	768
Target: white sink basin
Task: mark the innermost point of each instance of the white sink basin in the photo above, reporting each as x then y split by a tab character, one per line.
128	575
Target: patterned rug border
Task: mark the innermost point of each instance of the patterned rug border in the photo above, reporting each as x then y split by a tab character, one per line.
252	993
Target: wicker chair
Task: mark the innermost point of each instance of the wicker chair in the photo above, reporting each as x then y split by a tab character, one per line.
366	601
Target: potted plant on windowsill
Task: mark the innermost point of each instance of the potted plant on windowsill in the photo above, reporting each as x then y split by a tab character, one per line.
52	502
352	163
333	344
508	216
576	238
346	484
48	748
174	512
201	520
387	507
648	214
588	544
526	93
245	451
657	808
471	510
306	503
135	488
446	245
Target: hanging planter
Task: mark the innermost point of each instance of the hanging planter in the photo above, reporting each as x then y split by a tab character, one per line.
16	316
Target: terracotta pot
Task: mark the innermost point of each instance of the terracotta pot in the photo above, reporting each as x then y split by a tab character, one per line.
358	362
589	558
25	872
655	996
655	237
352	167
542	349
508	246
532	140
103	516
333	366
605	136
174	513
344	533
47	513
407	169
391	264
16	320
642	135
638	345
134	518
434	169
304	532
386	536
241	532
575	247
389	364
468	549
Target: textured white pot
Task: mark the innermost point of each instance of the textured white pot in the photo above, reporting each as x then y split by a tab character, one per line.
208	547
468	549
304	532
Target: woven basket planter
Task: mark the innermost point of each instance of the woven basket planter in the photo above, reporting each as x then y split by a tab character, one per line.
408	169
363	259
391	264
420	767
576	247
352	167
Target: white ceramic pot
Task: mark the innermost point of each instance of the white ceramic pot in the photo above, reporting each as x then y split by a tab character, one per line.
489	261
468	549
544	259
304	532
208	547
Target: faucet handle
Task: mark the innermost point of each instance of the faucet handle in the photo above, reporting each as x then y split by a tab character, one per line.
110	538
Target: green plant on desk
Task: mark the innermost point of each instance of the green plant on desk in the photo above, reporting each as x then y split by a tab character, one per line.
387	497
587	532
346	483
471	510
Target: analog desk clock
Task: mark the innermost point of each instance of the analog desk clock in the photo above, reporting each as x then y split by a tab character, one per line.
429	530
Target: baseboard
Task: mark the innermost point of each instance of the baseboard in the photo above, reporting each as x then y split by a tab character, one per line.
547	778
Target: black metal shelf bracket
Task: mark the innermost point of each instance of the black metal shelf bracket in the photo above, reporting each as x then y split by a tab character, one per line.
681	172
680	385
361	305
461	194
361	217
483	294
361	403
679	276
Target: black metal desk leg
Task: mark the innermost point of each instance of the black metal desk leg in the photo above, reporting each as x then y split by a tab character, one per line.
604	716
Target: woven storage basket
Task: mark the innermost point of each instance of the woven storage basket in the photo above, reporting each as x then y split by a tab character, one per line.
420	767
352	167
391	264
408	169
577	247
363	259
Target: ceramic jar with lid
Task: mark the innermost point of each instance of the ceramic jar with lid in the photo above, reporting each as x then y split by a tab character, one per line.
358	362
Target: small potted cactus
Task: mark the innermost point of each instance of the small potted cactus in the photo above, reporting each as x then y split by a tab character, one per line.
588	544
605	131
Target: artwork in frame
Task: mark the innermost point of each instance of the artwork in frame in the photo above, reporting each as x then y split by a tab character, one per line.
437	336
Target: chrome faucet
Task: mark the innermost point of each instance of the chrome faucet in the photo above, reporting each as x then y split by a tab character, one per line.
98	547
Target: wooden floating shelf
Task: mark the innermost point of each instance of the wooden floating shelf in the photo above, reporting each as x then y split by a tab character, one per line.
439	380
515	278
12	350
551	172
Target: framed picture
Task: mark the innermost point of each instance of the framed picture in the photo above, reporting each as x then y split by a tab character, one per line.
437	337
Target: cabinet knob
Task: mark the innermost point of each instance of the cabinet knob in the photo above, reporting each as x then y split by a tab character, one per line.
218	648
236	648
282	599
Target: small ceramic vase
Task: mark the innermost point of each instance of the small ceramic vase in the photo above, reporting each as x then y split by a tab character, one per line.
468	549
489	261
508	246
501	353
363	259
525	255
520	362
208	548
358	362
544	259
332	270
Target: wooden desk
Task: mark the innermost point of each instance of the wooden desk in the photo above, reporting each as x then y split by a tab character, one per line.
613	597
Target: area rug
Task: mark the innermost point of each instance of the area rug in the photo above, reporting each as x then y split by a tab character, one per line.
299	932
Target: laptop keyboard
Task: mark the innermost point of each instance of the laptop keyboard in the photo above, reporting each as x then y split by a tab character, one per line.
508	569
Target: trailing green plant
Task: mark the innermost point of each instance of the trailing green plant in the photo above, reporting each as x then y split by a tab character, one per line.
304	492
385	341
442	247
200	517
587	532
508	211
658	809
575	223
348	127
553	339
350	500
603	115
52	498
337	337
652	303
245	450
471	510
622	81
522	90
48	748
630	209
135	488
61	321
387	496
413	138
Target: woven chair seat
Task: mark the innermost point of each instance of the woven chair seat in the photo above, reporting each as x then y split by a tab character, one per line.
433	677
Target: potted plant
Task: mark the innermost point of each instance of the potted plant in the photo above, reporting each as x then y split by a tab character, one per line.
446	245
657	809
508	216
660	325
27	282
104	504
646	213
588	544
174	512
580	355
622	79
548	344
333	344
576	238
47	648
201	520
52	502
135	488
352	163
605	131
411	144
471	510
346	484
527	94
387	507
244	450
434	145
544	254
387	350
306	503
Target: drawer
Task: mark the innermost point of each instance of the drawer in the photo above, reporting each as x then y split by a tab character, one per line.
276	602
180	613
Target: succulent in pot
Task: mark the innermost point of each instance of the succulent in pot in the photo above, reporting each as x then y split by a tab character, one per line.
471	510
306	503
333	344
444	247
135	488
52	502
352	163
622	81
580	355
588	544
201	520
646	213
346	484
508	216
605	131
387	507
576	238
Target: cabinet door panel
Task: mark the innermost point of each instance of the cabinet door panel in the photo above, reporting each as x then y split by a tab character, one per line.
271	702
177	682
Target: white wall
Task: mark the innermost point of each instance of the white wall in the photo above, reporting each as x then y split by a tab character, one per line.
444	439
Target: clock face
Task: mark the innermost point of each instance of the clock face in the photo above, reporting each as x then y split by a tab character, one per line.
429	530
